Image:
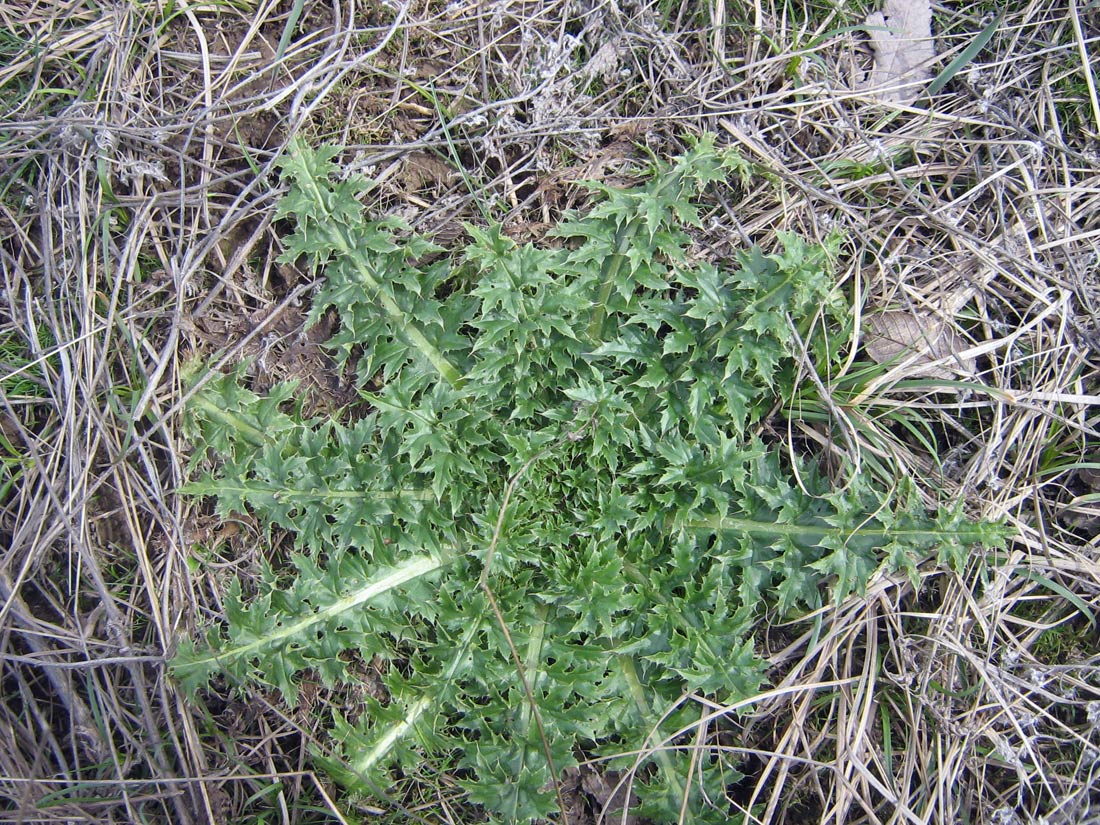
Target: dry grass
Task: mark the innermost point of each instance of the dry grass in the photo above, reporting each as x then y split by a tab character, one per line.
136	232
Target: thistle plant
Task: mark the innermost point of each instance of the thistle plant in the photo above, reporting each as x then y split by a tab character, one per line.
558	518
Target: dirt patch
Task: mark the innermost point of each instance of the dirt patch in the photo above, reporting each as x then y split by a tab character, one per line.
592	796
280	347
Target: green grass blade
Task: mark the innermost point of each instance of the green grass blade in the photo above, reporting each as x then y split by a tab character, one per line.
1066	594
967	54
288	30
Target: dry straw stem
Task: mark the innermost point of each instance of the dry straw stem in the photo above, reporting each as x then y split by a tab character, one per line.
136	233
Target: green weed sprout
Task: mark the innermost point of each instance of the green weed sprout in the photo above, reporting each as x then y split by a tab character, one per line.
557	518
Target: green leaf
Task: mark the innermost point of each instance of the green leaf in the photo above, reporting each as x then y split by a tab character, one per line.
567	428
269	635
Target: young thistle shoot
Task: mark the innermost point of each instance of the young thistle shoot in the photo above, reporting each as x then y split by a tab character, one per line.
573	428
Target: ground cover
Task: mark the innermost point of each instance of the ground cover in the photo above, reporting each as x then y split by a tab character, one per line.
932	350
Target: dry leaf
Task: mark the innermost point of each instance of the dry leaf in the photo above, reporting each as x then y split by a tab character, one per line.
901	38
605	62
919	341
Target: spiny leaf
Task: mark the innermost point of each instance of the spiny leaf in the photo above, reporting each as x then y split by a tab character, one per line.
569	427
258	634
